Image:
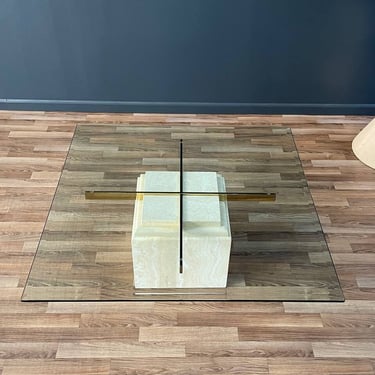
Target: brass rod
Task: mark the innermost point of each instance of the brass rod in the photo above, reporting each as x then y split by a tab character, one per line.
122	195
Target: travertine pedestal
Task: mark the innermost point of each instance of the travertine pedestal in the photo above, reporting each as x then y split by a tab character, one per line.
156	234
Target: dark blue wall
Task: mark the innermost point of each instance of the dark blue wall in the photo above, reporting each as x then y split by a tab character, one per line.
265	56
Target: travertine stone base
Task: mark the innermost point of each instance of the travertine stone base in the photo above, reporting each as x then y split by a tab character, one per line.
206	232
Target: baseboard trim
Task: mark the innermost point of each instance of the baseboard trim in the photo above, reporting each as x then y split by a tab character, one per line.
185	107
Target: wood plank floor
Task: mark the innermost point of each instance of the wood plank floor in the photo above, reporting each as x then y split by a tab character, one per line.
187	337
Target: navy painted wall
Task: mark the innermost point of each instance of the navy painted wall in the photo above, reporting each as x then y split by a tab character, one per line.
265	56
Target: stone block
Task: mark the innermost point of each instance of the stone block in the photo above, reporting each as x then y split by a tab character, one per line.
156	232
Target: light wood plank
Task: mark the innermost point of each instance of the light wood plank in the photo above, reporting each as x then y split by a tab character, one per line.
119	349
193	365
53	366
344	349
307	366
188	334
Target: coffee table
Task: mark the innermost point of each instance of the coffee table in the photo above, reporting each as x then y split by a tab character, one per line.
278	250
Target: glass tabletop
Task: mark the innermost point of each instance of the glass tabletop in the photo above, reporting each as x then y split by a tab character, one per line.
278	250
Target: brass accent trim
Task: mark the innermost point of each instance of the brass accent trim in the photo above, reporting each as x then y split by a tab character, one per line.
119	195
178	293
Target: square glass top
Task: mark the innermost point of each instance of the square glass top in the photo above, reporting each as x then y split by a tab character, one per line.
278	248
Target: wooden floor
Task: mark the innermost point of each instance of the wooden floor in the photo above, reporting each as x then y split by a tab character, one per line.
187	338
